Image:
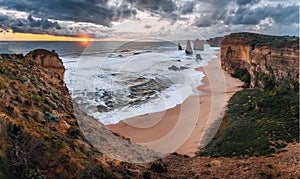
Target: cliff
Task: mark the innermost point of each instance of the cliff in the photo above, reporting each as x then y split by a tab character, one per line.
39	134
215	42
48	60
271	61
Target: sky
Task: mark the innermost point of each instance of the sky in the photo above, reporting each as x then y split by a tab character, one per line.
134	19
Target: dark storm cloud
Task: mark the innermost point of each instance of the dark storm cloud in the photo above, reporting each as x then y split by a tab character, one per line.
94	11
43	23
124	11
246	2
28	25
280	14
188	7
155	6
246	15
217	11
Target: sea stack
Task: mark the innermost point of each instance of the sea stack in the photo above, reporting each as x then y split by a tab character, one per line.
179	46
188	49
198	57
198	45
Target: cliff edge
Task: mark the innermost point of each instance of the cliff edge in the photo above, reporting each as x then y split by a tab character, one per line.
271	61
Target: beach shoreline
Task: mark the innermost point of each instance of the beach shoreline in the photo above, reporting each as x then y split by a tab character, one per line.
182	128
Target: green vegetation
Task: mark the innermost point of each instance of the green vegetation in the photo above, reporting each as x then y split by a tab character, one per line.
3	85
260	40
243	75
257	123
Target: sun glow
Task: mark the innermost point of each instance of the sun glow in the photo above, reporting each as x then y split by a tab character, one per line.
11	36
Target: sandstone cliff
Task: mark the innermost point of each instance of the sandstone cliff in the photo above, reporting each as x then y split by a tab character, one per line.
39	134
48	60
271	61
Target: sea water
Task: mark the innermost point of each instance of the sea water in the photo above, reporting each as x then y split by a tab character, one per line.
113	81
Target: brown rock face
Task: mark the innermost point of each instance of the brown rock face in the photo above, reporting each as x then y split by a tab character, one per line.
49	60
265	57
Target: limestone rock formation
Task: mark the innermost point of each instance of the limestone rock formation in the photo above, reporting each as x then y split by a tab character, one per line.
188	49
268	59
215	42
49	60
198	57
179	46
198	45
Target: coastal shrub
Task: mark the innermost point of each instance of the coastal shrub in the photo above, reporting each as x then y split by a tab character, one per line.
147	175
3	85
264	80
256	123
51	117
243	75
51	103
33	174
9	110
74	131
158	167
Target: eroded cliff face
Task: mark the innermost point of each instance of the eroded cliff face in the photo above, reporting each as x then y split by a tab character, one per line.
39	134
270	60
48	60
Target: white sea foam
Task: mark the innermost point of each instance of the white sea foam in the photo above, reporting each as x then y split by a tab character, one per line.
91	74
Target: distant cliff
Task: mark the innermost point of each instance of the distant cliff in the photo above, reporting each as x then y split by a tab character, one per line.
271	61
215	42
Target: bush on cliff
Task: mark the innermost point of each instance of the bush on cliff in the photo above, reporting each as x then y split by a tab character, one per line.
243	75
257	123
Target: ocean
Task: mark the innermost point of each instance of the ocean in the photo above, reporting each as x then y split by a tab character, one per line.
113	81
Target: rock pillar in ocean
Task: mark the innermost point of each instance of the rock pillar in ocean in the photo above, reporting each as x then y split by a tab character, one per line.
49	60
179	46
198	57
198	45
188	49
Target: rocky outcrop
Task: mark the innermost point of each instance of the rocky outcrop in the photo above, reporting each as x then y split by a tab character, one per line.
198	45
215	42
40	136
188	49
271	61
179	46
198	57
49	60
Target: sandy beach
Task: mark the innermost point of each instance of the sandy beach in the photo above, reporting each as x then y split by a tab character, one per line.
181	129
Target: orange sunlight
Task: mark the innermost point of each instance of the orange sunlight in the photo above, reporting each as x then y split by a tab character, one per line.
10	36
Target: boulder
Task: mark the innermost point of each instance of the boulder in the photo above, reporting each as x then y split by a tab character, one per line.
49	60
198	45
188	49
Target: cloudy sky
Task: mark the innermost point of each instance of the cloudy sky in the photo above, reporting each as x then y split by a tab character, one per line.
168	19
